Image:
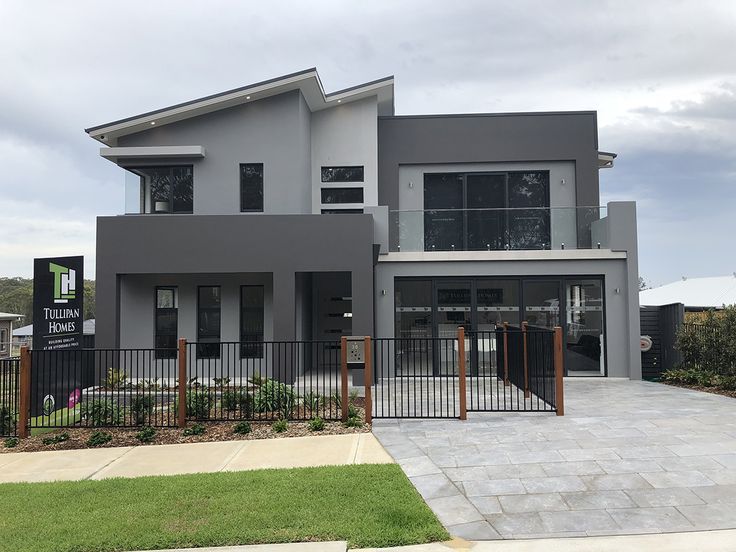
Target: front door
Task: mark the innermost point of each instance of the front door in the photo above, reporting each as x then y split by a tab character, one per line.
454	308
542	303
584	335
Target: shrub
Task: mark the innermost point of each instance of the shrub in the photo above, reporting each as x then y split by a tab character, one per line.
353	411
116	378
7	420
311	401
316	424
274	396
194	429
353	421
711	345
727	383
99	438
238	400
280	425
102	412
146	434
221	382
11	442
141	408
241	428
198	404
54	439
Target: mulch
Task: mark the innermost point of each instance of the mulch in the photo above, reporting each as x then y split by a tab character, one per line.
214	431
713	390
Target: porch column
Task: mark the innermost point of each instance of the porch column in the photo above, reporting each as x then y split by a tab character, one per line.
284	325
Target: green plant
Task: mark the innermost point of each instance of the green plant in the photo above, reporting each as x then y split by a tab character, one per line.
241	428
257	379
141	408
238	400
198	404
221	382
194	429
274	396
11	442
311	401
99	438
727	383
316	424
116	378
55	439
102	412
710	345
353	411
280	425
353	421
337	399
7	420
146	434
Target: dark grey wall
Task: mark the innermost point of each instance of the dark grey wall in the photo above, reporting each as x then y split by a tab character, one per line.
571	136
199	244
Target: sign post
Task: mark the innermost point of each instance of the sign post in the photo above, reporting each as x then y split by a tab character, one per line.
58	315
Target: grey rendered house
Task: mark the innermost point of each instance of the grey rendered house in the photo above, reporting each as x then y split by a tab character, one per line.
278	211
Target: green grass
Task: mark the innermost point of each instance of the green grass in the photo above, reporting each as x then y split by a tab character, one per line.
367	505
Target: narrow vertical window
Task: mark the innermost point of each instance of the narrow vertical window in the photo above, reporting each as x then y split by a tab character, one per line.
251	321
167	319
208	322
251	187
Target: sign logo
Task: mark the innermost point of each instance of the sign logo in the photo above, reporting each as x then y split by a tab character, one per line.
65	283
47	407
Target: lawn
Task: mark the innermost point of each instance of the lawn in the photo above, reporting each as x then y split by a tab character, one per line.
367	505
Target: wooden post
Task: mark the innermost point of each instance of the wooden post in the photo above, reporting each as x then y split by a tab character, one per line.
24	389
559	372
526	360
506	353
182	406
368	381
461	372
344	378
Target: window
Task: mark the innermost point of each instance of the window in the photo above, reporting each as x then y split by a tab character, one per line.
251	187
251	321
342	195
477	211
4	340
166	322
167	189
208	322
342	174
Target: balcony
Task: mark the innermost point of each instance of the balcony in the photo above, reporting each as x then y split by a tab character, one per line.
523	229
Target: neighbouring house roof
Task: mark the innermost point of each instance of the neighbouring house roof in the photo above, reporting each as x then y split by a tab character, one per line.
9	316
307	81
27	331
712	292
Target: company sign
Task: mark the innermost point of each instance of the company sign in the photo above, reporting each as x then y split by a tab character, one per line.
58	303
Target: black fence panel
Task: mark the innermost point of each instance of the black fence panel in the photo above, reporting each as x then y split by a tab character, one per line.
9	396
297	380
415	378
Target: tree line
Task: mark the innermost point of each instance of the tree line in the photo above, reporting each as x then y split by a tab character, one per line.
16	297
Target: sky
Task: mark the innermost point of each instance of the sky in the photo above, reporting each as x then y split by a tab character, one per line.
660	74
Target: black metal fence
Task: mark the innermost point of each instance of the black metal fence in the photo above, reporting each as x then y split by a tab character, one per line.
9	396
298	380
415	378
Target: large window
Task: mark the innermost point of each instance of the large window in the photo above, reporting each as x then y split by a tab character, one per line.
251	321
342	174
166	189
208	321
479	211
166	322
251	187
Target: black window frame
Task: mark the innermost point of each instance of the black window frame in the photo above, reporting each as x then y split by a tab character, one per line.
343	173
260	189
149	195
169	352
510	215
330	196
342	211
250	347
208	346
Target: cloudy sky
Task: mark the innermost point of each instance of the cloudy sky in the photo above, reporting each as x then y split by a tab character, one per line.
661	74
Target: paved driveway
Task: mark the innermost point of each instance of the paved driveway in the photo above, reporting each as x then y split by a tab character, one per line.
628	457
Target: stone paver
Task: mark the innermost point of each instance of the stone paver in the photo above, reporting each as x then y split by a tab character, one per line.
359	448
629	457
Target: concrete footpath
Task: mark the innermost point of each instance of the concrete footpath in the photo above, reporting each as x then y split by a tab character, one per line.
293	452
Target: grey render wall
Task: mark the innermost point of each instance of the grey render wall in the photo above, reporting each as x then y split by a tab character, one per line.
274	131
282	245
489	138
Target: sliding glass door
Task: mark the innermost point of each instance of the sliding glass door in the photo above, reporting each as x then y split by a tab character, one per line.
584	327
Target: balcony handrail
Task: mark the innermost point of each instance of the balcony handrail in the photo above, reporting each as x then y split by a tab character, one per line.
497	209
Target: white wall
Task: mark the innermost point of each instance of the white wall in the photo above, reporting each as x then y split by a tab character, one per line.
346	135
411	197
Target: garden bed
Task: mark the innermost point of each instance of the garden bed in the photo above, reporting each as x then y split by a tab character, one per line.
714	390
213	431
